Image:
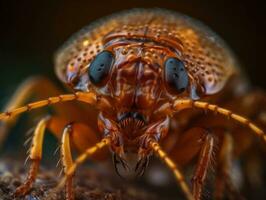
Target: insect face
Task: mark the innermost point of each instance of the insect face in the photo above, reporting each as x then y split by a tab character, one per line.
133	78
132	83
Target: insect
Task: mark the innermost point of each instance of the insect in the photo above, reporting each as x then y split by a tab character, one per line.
144	76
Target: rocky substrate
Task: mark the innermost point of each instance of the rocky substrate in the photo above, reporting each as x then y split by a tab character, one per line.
89	185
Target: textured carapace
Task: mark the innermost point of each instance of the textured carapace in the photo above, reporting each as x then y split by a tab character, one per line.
140	61
151	35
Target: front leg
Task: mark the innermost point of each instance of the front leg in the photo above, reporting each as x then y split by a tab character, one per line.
196	142
35	157
67	161
203	165
81	137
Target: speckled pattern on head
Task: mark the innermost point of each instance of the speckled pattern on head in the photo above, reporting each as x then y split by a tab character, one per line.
207	58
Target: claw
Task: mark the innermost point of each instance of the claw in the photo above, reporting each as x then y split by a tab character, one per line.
119	161
141	166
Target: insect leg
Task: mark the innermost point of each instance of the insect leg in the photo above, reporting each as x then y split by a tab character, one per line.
81	137
81	158
188	146
178	175
35	156
203	165
55	125
67	161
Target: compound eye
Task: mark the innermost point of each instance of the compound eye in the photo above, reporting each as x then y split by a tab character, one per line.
176	75
100	67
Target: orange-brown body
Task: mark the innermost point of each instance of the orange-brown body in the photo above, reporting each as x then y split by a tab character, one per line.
140	71
141	41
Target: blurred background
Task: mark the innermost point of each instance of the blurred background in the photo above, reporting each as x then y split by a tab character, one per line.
31	31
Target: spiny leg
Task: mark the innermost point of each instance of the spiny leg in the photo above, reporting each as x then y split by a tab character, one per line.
88	97
88	153
178	175
35	157
188	146
203	165
81	137
195	142
67	161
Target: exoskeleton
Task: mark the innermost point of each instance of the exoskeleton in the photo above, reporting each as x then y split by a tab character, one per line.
144	76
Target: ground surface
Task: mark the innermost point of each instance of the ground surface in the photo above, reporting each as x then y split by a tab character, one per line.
90	185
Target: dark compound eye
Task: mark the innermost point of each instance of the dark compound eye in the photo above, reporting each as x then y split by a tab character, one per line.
176	75
100	67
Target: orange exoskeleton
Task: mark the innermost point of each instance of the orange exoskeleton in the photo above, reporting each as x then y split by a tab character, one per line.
141	74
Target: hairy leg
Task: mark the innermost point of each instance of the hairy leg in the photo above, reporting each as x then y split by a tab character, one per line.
72	166
251	105
35	157
204	163
238	142
192	143
188	146
77	135
82	137
67	161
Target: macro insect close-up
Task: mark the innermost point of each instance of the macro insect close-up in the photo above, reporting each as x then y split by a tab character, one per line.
146	83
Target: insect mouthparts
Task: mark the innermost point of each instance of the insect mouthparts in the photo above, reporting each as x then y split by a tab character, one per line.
133	118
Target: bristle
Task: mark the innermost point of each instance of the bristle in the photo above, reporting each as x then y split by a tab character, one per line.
27	141
27	159
30	131
131	122
57	150
58	162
